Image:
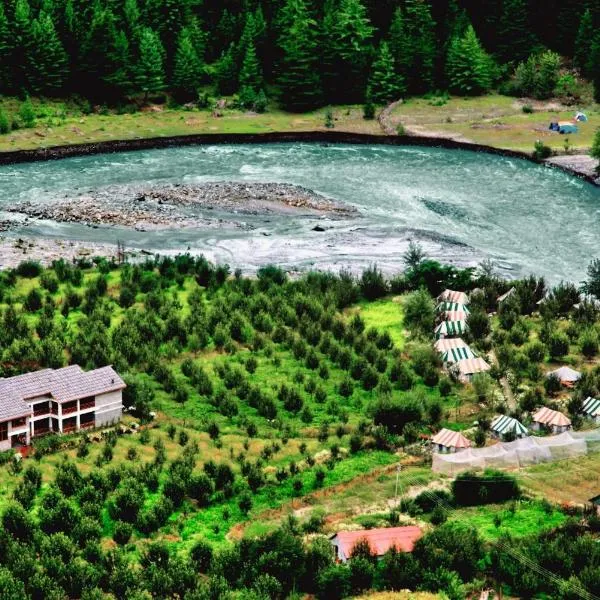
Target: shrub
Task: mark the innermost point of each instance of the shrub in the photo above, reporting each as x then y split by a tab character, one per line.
122	532
4	123
202	555
491	487
541	151
527	109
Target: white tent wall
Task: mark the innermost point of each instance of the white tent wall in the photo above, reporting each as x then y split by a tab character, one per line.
513	455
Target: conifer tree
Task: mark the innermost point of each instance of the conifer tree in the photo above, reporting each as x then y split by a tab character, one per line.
149	71
118	69
583	44
187	73
47	59
6	47
22	40
595	62
468	68
226	73
515	42
298	76
398	43
131	19
384	84
251	72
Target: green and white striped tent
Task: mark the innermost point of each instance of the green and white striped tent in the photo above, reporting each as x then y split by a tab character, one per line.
450	329
443	307
453	355
504	424
591	408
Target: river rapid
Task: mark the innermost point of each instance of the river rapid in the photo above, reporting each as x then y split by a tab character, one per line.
462	206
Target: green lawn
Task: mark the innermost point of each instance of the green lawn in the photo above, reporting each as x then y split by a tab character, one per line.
385	315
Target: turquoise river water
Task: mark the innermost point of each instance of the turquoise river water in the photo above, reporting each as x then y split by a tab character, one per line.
462	206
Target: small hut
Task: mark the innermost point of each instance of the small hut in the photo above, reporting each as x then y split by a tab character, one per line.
448	329
548	419
448	442
466	368
504	426
453	296
567	376
591	409
380	540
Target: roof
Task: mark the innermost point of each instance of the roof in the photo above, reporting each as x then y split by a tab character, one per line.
453	296
452	328
507	295
12	408
505	424
456	354
547	416
469	366
452	306
591	407
450	439
565	374
456	315
63	385
449	343
380	540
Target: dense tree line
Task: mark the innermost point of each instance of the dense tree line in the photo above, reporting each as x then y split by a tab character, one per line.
305	53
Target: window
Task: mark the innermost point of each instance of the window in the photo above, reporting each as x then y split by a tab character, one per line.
3	431
18	422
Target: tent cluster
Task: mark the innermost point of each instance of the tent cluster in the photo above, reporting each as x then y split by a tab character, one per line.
564	127
459	359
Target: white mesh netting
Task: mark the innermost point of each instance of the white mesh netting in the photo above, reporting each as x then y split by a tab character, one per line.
520	453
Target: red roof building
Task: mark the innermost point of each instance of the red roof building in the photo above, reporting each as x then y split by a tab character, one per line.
380	540
449	441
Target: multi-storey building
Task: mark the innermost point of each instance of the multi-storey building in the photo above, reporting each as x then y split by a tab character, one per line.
57	400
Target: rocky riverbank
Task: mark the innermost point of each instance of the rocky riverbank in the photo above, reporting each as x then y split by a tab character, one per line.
209	205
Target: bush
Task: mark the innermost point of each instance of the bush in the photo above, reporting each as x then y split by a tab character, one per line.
527	109
122	532
491	487
541	151
4	123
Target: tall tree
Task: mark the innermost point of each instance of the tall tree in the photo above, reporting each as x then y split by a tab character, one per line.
187	73
515	42
298	73
347	43
118	74
6	48
251	72
384	84
22	40
149	71
226	73
468	68
595	62
582	57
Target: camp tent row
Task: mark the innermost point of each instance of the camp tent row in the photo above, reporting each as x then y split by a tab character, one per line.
546	418
503	426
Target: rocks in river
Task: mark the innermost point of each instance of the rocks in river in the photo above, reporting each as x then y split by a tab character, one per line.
181	205
318	228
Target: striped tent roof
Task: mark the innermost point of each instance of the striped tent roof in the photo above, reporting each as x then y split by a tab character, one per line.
453	296
452	306
449	343
591	406
547	416
456	354
504	424
450	439
451	328
470	366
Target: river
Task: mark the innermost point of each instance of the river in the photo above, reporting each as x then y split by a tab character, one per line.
462	206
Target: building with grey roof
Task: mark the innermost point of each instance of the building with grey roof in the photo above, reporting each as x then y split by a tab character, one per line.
57	400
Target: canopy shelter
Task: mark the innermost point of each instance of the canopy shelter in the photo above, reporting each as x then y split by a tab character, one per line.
445	307
450	329
446	440
504	425
466	368
454	355
444	344
591	408
453	296
567	376
546	418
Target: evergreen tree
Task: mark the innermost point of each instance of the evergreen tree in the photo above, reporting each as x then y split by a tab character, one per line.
226	73
384	84
398	43
583	44
468	68
187	73
298	76
595	62
22	40
48	63
347	42
515	42
5	53
149	71
251	72
119	74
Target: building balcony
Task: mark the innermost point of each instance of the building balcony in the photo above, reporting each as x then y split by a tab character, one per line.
38	412
87	405
67	410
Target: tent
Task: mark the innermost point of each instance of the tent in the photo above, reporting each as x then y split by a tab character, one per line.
445	344
508	294
563	127
455	315
581	117
546	418
466	368
450	329
444	307
504	425
454	355
567	376
446	440
591	409
453	296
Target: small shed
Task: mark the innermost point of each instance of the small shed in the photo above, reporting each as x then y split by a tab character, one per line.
446	441
546	418
507	295
380	540
466	368
567	376
591	409
445	307
453	296
503	426
450	329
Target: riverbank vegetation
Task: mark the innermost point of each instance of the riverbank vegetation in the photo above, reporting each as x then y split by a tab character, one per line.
265	412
